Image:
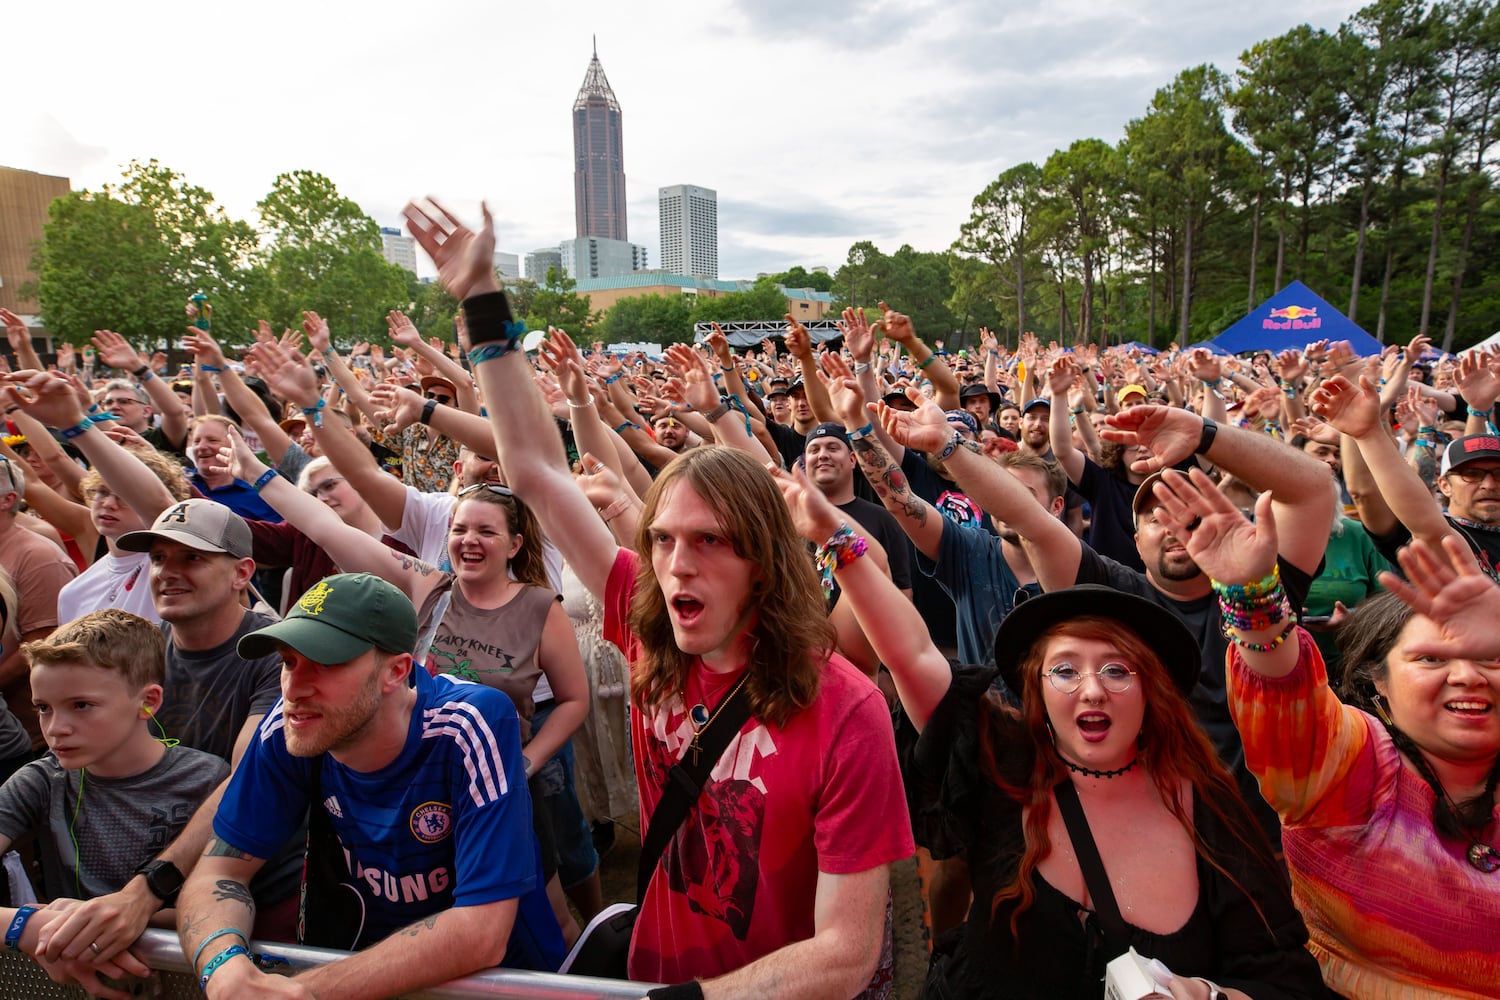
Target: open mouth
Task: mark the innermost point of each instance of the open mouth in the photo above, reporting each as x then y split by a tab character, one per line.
1469	709
301	720
687	610
1093	727
471	558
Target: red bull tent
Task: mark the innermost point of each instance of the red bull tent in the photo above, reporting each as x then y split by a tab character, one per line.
1293	318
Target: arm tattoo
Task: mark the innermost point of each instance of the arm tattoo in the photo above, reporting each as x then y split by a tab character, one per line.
220	849
426	923
415	565
888	481
229	891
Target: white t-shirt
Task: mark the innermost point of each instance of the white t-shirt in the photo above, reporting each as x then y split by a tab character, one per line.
424	530
114	581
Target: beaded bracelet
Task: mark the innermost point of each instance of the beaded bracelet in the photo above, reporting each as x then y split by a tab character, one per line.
1266	647
841	549
614	378
232	951
1252	588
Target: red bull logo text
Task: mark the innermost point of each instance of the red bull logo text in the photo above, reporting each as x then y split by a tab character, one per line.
1292	318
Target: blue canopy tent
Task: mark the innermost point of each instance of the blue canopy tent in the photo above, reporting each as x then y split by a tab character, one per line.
1293	318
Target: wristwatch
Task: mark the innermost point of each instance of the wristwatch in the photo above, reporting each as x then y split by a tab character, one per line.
163	878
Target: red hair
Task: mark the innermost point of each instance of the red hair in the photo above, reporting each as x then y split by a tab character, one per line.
1173	749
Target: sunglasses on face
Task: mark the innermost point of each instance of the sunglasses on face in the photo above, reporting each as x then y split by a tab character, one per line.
440	398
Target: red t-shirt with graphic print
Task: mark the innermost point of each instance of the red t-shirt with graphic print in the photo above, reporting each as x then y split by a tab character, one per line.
822	794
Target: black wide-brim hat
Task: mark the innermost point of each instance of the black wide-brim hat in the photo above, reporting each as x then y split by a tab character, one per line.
1161	630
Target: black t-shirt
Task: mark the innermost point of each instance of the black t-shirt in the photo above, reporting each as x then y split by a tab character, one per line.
881	525
1210	699
1483	542
789	442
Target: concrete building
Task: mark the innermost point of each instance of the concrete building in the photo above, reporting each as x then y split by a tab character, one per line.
689	230
539	260
598	158
398	249
24	199
804	303
597	257
508	265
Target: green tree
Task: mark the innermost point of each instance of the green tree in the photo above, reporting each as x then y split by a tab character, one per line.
855	282
764	301
556	304
662	319
800	277
1001	232
128	257
323	254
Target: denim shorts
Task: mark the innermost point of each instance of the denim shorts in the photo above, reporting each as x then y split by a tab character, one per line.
576	857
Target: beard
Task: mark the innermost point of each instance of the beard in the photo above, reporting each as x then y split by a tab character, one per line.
1168	568
341	725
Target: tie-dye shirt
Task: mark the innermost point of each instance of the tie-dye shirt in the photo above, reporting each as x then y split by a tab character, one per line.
1394	908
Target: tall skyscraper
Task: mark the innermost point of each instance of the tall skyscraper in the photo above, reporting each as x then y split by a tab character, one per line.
689	230
598	158
398	249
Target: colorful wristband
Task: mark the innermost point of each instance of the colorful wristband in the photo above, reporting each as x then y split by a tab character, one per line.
17	926
69	433
315	413
265	477
217	934
863	432
218	960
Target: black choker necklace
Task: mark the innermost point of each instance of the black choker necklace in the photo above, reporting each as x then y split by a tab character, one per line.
1099	774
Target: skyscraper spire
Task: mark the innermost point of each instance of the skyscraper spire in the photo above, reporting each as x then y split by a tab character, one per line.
598	156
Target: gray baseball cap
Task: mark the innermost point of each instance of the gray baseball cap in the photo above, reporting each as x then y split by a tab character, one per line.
199	524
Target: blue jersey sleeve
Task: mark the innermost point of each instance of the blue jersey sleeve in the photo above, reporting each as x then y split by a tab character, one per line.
266	799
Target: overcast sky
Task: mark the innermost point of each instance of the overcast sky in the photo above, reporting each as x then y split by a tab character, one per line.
818	123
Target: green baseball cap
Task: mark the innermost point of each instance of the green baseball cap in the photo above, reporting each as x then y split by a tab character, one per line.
340	618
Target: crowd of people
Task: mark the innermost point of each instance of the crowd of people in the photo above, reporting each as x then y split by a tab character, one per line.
369	649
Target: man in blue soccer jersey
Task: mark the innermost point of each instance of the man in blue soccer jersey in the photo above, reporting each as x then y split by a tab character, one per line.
422	781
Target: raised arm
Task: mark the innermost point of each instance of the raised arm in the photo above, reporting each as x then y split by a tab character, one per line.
1060	378
251	409
115	351
1302	489
404	332
20	342
1355	411
889	620
525	434
799	343
898	327
728	424
315	328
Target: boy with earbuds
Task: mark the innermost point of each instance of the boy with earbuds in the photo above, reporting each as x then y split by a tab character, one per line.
110	795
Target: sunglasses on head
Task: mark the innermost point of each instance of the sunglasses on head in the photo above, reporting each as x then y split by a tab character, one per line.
495	488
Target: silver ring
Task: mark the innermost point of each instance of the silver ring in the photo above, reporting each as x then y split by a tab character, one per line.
94	946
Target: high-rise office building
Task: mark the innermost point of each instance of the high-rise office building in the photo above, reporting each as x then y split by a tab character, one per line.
689	230
540	260
598	158
507	265
399	250
597	257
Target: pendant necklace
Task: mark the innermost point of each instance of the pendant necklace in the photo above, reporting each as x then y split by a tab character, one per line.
700	711
1077	769
1482	857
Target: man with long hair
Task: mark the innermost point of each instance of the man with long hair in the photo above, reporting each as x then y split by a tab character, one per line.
776	884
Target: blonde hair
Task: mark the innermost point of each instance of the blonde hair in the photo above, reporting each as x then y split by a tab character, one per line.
110	639
164	467
792	633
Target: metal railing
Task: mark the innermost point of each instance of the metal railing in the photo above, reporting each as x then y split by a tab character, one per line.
173	979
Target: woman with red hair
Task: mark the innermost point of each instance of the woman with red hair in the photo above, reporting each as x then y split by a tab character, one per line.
1160	853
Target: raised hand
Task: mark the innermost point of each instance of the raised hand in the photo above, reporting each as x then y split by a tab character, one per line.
316	328
813	514
567	363
1170	433
1264	402
719	344
287	373
15	330
1221	540
402	330
1352	409
1447	586
1060	377
396	406
1477	381
115	351
697	380
598	481
925	429
67	357
1291	365
47	396
204	349
465	259
897	326
798	340
843	392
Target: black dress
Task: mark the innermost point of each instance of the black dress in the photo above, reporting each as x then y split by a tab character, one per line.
1056	955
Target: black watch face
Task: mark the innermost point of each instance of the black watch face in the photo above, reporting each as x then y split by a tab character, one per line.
163	879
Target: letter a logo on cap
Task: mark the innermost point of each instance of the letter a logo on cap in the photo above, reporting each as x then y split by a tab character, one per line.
312	601
178	514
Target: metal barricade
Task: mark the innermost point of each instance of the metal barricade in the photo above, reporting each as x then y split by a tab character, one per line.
173	979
